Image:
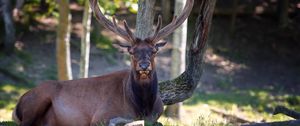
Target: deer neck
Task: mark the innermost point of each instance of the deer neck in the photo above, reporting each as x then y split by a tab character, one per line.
142	95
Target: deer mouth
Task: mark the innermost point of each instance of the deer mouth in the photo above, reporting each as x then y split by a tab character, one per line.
144	74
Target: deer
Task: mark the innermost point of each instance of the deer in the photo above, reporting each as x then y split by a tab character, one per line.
130	94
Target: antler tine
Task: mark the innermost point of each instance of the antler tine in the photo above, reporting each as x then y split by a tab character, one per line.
176	22
158	27
108	24
131	35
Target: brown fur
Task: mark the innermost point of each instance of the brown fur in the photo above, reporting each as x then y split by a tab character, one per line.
81	102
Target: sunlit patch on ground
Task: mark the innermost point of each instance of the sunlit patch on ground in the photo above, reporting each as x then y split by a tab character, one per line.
233	108
9	94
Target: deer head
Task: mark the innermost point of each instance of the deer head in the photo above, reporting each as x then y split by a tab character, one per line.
142	51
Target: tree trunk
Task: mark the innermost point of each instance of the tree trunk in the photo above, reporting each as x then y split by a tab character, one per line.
144	20
182	87
85	41
178	57
233	17
282	9
166	10
63	41
10	39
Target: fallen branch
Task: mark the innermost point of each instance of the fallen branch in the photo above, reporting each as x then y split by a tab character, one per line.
283	123
286	111
231	117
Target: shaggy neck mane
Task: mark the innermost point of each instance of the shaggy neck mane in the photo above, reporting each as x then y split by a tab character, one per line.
142	95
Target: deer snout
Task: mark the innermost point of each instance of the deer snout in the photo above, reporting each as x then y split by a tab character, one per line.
144	65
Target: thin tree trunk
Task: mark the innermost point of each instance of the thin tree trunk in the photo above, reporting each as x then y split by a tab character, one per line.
166	10
144	20
182	87
233	17
282	8
63	41
178	57
10	39
85	41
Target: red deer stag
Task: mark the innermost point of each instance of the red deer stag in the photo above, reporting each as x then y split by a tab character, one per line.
130	94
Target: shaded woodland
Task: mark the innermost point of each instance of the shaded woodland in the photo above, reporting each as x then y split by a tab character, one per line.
250	62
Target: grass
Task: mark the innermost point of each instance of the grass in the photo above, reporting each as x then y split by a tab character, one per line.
9	94
253	104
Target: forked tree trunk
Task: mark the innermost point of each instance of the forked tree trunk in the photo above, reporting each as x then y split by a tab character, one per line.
63	41
85	41
182	87
178	57
144	20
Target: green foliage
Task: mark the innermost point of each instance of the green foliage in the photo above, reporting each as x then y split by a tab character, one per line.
103	43
30	9
110	7
8	123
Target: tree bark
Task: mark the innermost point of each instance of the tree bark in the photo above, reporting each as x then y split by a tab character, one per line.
85	41
144	20
233	17
282	8
166	10
178	57
182	87
9	40
63	41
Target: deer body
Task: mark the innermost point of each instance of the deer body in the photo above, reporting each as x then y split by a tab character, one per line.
85	102
129	94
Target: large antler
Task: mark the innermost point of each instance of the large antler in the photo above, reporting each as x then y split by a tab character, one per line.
126	34
176	22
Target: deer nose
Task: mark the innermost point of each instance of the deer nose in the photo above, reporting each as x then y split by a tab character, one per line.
144	65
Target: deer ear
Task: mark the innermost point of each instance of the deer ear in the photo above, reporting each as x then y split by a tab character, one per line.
122	47
161	44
